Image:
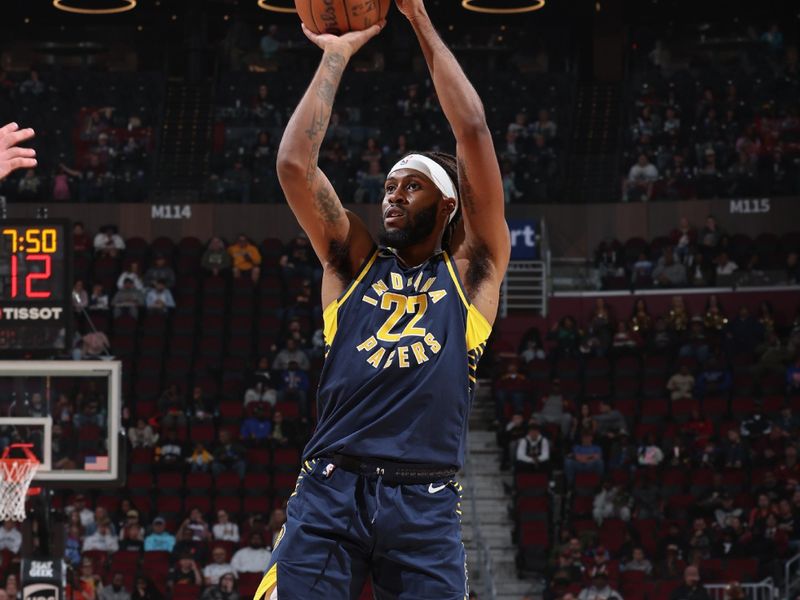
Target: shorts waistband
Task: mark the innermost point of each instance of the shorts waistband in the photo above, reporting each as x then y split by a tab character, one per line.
391	471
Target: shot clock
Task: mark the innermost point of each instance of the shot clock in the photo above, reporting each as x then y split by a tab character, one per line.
35	286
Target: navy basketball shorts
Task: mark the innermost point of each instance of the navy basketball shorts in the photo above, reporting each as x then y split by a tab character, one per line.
343	527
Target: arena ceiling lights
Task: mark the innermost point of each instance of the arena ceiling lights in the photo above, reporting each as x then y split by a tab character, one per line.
84	7
265	5
490	7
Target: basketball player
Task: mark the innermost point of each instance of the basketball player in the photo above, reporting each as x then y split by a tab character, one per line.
405	323
11	156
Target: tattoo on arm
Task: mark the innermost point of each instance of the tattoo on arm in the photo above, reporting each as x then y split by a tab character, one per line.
327	205
466	193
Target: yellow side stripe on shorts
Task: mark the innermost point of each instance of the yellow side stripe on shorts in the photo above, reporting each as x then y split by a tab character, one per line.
268	582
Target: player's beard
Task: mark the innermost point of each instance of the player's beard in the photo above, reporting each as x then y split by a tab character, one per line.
418	228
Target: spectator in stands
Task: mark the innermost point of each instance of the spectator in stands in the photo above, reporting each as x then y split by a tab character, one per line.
566	335
200	460
186	545
611	502
370	183
599	588
159	270
700	540
185	572
224	590
131	272
72	545
691	588
734	453
507	438
132	538
533	451
80	299
253	557
744	332
260	392
143	589
696	344
625	341
197	525
701	273
277	519
610	424
228	456
511	389
793	378
257	427
170	454
98	300
79	506
641	321
159	539
246	258
282	431
554	409
216	258
172	407
710	238
725	266
638	562
108	242
668	272
33	85
650	453
159	298
128	300
81	242
681	384
294	388
640	180
291	353
683	239
755	426
115	591
219	566
102	539
714	378
586	457
225	530
726	511
30	186
10	537
532	349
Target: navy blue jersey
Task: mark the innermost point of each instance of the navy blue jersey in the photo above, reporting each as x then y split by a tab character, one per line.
402	347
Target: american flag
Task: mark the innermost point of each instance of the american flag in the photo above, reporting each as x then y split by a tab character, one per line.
96	463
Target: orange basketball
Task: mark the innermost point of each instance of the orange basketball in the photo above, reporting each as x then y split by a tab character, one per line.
341	16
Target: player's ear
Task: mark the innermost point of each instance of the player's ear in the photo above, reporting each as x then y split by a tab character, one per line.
450	205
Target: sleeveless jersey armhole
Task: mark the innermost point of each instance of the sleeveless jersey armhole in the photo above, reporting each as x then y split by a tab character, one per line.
330	316
478	327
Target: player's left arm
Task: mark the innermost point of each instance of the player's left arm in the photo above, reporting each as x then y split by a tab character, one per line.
12	157
480	181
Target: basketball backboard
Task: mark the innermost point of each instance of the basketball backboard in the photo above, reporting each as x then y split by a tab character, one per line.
70	412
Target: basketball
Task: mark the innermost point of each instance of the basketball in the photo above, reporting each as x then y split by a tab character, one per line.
340	16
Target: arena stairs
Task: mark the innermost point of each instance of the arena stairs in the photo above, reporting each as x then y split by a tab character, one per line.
484	481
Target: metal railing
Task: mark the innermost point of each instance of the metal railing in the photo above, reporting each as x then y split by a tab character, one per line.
525	287
484	550
762	590
791	576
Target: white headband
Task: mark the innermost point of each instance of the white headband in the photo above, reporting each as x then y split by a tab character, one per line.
433	171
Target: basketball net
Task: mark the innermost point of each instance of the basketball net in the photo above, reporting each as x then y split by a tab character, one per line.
16	475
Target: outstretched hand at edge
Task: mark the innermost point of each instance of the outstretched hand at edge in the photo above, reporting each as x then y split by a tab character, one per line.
12	157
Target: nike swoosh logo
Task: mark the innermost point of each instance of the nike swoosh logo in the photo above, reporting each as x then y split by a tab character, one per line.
434	489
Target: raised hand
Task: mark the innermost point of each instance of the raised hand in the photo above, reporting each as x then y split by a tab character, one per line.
411	8
348	43
11	156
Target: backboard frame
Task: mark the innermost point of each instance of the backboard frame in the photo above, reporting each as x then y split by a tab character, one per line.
75	478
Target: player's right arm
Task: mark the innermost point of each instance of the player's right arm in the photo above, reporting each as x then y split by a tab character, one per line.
339	238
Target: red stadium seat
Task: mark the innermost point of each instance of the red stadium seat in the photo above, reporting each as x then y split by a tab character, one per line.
248	584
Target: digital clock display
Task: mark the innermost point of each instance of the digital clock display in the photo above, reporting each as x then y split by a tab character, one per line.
35	285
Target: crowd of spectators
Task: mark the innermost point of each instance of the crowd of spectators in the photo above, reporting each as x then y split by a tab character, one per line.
375	122
708	130
670	438
692	256
95	133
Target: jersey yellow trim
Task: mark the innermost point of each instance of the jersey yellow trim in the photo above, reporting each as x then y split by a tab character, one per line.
478	328
454	277
330	316
268	583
